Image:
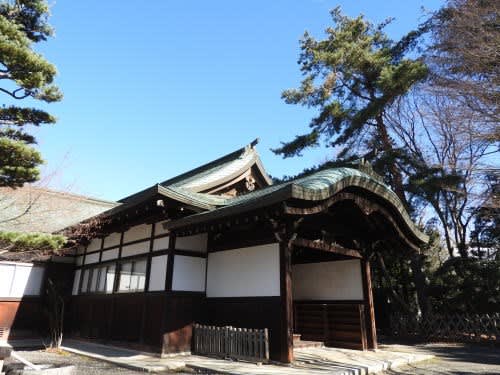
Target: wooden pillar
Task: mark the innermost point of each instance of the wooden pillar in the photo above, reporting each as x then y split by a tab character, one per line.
285	233
286	318
369	309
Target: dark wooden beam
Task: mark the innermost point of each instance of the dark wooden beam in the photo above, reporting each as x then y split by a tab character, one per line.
320	245
285	231
170	262
368	207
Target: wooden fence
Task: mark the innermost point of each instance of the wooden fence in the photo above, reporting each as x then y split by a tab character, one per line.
239	343
451	327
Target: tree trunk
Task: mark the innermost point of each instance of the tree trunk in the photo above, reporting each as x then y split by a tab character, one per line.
397	185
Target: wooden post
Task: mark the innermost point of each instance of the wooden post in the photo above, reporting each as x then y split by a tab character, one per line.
369	309
286	318
285	233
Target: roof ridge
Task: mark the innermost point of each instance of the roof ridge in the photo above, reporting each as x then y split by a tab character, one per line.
69	195
232	155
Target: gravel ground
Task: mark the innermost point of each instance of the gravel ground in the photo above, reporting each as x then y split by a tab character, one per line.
454	359
84	365
451	359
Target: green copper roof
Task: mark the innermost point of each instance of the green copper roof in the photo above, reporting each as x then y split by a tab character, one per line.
219	171
316	187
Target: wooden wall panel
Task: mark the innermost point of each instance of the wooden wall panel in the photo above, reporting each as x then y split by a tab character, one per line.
180	314
247	312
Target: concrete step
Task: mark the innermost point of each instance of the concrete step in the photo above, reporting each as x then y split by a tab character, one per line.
299	344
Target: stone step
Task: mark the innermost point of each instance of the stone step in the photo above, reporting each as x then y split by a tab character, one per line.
299	344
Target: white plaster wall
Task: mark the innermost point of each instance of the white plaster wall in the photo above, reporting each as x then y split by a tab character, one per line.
139	232
79	261
94	245
6	277
339	280
112	240
76	282
110	254
160	243
189	273
92	258
20	279
198	242
245	272
159	228
136	248
158	272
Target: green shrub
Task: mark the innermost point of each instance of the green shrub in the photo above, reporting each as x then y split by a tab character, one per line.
19	241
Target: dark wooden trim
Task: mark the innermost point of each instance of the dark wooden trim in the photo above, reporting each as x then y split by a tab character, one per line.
81	270
100	251
104	249
257	241
170	263
286	302
320	245
366	206
369	306
146	254
330	302
118	264
244	299
173	293
189	253
21	299
148	264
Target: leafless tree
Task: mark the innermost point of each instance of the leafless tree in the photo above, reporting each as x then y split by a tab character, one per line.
445	156
464	56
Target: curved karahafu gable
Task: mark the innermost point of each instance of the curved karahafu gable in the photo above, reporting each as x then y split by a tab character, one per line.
318	187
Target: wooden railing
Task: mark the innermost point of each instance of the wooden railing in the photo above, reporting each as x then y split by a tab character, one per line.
231	342
335	324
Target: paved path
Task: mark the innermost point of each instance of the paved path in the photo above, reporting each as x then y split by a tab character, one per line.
314	361
453	359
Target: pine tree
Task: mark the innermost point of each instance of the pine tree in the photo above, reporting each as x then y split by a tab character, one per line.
25	74
352	77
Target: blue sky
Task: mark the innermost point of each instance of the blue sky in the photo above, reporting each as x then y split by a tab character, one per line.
154	88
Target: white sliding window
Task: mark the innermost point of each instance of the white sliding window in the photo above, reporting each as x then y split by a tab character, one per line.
132	276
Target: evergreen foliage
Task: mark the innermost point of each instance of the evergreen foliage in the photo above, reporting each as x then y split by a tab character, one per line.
351	77
25	74
20	241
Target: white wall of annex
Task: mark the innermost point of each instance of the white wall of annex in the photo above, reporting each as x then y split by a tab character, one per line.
139	232
110	254
112	240
161	243
136	248
92	258
245	272
94	245
76	282
158	273
198	242
20	279
159	228
340	280
79	261
189	273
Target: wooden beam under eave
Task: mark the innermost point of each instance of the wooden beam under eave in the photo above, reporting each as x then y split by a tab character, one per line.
321	245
